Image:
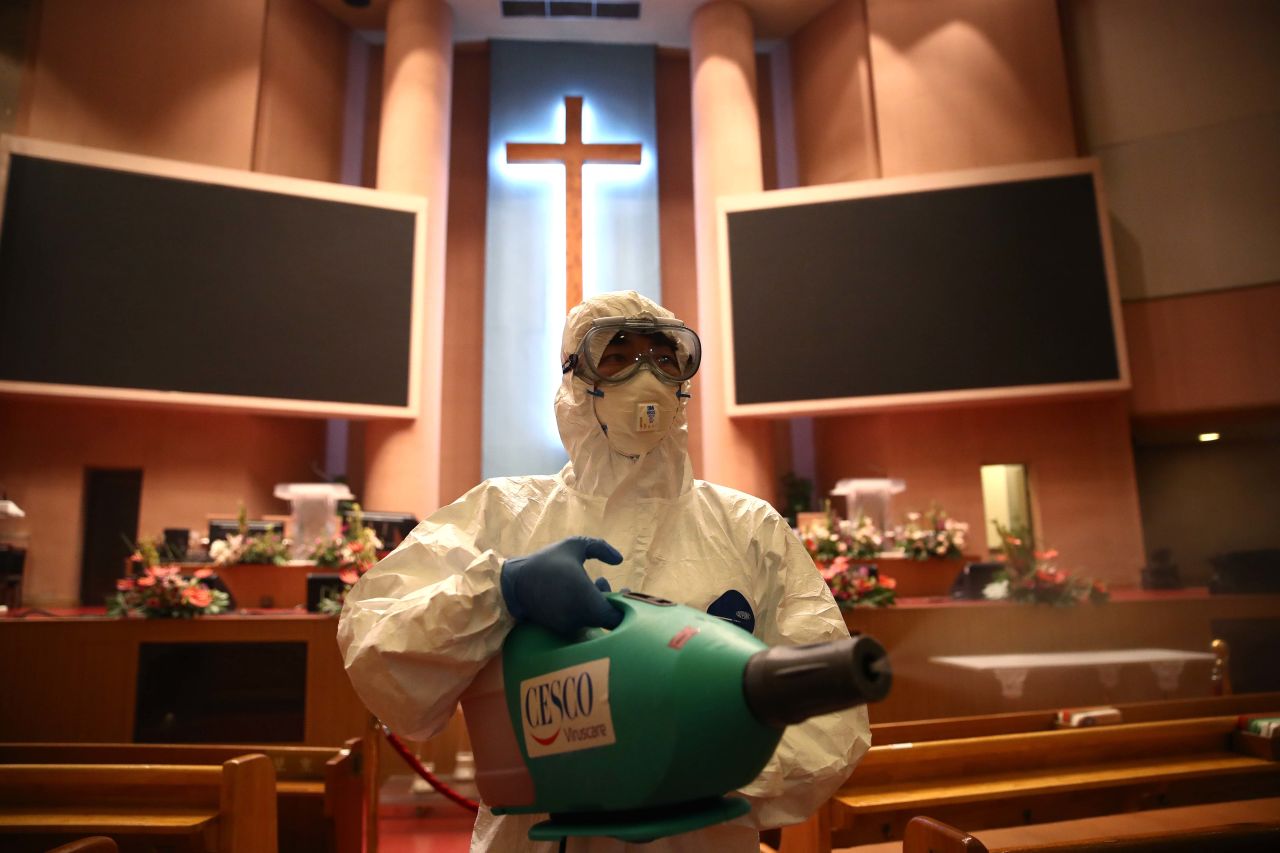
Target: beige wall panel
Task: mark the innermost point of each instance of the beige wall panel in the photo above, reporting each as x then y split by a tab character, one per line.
193	464
676	241
966	83
726	161
835	127
1078	456
301	103
768	125
402	461
168	78
1198	210
1149	67
1205	352
1200	500
463	380
18	27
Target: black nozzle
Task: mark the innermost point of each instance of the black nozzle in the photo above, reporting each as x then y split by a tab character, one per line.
790	684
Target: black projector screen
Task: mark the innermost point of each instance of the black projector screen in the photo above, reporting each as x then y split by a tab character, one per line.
203	293
988	289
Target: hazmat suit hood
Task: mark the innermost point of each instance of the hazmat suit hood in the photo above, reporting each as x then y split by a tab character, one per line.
594	466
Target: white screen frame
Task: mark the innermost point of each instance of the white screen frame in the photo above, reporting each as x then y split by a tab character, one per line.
425	318
772	199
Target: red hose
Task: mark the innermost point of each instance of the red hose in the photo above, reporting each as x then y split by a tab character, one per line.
432	780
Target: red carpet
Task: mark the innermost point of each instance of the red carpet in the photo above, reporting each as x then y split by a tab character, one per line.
416	821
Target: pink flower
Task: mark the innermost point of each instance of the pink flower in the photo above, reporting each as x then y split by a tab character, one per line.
147	580
124	584
348	575
197	596
830	572
887	582
201	574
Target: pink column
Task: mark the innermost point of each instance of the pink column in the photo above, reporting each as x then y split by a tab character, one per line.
726	161
402	460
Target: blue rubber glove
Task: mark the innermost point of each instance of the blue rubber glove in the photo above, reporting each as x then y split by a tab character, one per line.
551	587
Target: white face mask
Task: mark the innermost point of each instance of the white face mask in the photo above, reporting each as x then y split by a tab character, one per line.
637	414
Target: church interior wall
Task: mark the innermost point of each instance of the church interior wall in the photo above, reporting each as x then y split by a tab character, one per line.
958	85
967	83
302	92
104	79
1204	352
196	95
193	464
832	103
727	161
1079	462
945	86
675	201
1180	101
1202	500
463	389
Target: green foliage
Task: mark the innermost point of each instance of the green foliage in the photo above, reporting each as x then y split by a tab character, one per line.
1032	576
163	592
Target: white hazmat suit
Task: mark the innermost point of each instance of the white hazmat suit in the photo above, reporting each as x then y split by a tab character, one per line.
417	627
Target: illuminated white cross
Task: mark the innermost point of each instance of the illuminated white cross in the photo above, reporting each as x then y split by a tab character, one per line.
573	152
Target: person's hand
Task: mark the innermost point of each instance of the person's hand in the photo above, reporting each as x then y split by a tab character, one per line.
551	588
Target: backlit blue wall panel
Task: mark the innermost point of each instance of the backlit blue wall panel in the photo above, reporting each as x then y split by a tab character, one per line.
525	249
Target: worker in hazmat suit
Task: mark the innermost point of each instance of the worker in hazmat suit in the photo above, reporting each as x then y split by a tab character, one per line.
422	623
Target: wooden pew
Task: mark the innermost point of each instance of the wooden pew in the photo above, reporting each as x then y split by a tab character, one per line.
227	808
1033	777
914	731
318	789
1231	826
1025	771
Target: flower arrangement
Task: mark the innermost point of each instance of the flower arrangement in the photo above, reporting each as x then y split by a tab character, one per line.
866	539
834	546
932	535
246	547
353	551
162	592
1032	576
838	537
858	585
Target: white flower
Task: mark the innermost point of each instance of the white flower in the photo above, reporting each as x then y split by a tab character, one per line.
996	591
227	551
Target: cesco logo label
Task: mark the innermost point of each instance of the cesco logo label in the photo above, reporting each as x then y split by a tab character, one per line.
550	703
567	710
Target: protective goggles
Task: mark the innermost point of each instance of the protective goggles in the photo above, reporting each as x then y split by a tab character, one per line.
615	348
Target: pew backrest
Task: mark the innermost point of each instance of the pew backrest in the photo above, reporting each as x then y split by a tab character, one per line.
331	776
233	804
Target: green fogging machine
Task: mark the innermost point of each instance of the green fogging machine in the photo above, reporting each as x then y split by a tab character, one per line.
643	731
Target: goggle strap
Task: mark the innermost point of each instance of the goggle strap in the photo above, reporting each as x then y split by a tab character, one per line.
595	392
569	363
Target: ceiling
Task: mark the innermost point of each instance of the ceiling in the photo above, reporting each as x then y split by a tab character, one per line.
661	22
